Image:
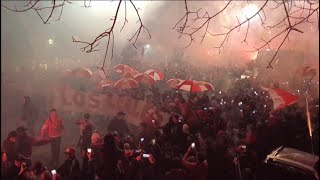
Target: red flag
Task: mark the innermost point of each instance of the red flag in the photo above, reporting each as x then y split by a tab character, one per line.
281	98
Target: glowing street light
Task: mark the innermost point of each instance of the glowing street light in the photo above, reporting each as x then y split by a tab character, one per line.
147	46
50	41
250	10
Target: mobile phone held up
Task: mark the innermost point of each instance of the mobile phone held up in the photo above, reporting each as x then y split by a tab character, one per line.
145	155
89	150
53	172
193	145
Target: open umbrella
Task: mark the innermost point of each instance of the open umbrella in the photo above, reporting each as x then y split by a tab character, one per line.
157	75
82	73
130	74
104	83
126	83
122	68
192	86
145	79
172	83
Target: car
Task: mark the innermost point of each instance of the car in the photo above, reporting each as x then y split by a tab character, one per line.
288	163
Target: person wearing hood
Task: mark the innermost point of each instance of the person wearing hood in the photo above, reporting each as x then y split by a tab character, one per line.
8	148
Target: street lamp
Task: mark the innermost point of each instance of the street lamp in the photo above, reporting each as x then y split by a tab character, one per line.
50	41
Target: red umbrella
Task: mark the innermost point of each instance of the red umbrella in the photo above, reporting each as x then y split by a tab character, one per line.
122	68
105	83
157	75
145	79
192	86
130	74
172	83
126	83
82	73
207	85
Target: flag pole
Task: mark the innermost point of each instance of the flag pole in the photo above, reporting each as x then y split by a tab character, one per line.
309	125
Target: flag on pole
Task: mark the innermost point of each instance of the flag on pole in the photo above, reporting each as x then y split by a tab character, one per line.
280	98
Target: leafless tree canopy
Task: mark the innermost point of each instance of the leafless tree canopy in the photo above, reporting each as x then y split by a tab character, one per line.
193	24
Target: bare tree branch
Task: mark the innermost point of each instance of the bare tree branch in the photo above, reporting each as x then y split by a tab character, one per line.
192	23
90	46
22	10
125	15
206	23
245	37
289	23
137	33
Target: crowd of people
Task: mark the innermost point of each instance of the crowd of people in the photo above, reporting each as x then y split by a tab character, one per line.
218	135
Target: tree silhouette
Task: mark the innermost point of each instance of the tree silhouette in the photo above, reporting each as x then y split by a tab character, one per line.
194	22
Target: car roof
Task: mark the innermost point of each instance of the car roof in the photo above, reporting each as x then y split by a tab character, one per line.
294	157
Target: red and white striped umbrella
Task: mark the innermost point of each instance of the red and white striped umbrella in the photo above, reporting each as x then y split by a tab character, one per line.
126	83
192	86
157	75
172	83
144	79
208	85
122	68
82	73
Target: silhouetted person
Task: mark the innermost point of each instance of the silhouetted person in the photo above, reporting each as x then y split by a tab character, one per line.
29	114
9	147
119	124
70	169
110	156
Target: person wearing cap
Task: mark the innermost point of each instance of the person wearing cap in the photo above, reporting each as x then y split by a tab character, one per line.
29	114
70	169
53	128
119	124
9	147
